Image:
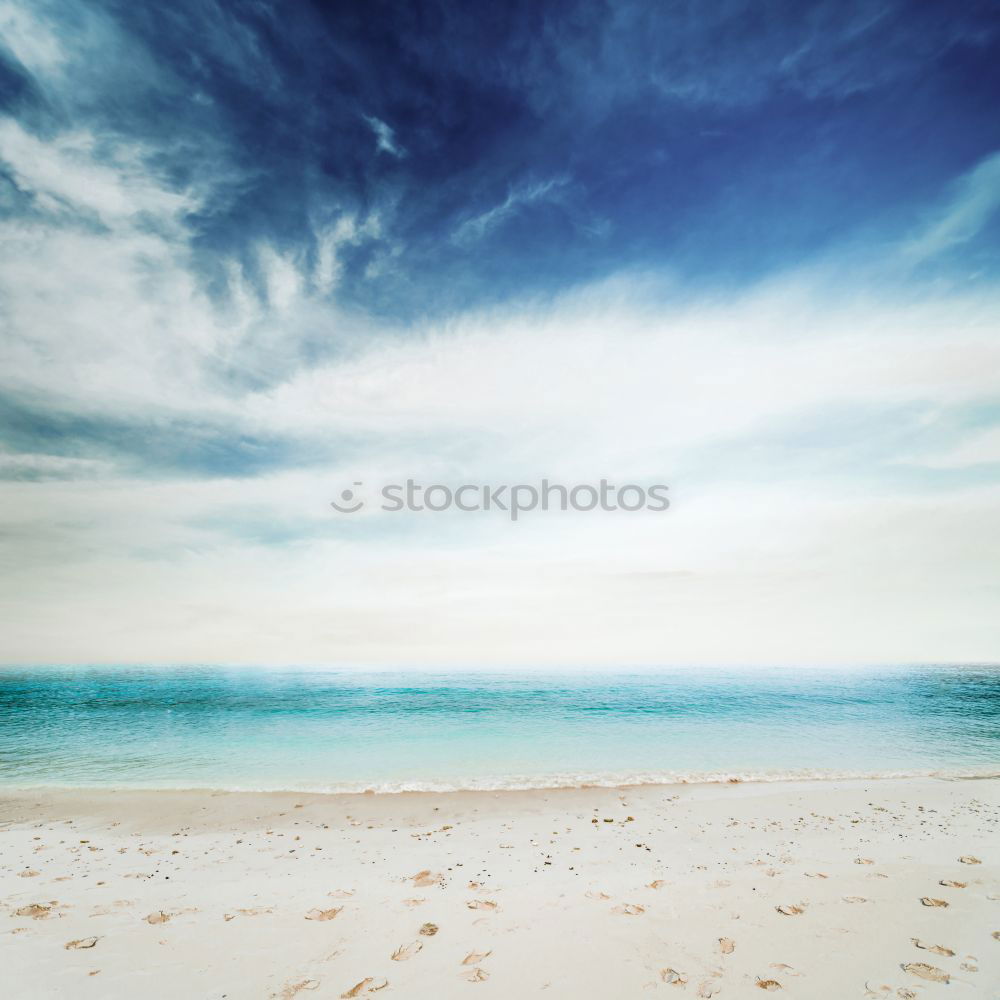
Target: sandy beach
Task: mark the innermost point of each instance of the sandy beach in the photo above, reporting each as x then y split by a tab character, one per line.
887	888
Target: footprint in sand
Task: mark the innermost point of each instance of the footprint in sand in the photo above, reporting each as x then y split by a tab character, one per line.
903	993
628	909
657	884
477	976
673	977
82	943
863	861
936	948
414	902
293	989
481	904
426	878
931	901
37	911
322	915
475	957
790	911
157	918
367	985
928	972
949	884
28	873
727	946
428	930
855	899
968	859
771	985
406	951
708	989
787	969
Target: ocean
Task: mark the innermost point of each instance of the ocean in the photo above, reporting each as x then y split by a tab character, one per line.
256	728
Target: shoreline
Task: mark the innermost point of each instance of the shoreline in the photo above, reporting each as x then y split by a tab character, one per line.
517	784
817	886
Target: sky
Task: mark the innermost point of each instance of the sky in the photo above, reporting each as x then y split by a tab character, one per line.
256	253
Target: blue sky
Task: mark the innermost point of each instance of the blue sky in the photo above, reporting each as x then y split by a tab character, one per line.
256	252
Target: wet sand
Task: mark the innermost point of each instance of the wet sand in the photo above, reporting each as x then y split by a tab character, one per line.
814	890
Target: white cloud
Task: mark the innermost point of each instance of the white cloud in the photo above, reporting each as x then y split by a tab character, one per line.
765	567
103	307
600	378
65	173
31	43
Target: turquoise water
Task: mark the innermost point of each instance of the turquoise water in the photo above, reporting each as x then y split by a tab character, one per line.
256	728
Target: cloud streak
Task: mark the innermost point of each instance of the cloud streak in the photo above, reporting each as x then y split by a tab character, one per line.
974	203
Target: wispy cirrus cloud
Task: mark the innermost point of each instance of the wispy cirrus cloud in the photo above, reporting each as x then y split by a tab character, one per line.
84	179
971	207
385	137
518	199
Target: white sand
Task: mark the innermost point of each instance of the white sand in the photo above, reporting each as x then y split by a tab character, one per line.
576	908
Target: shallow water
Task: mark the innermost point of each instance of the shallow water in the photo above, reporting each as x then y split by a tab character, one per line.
309	729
